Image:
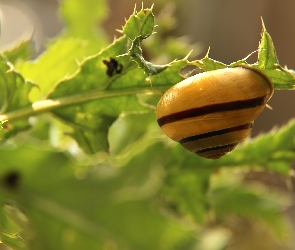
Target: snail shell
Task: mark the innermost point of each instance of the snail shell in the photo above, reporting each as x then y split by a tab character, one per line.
212	112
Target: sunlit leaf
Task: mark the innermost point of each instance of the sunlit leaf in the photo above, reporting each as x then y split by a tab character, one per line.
208	64
140	24
268	63
21	51
82	38
58	61
13	96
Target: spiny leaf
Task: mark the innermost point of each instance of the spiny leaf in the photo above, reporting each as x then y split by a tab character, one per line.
13	96
208	64
137	28
115	82
21	51
267	57
98	75
140	24
59	60
162	48
166	49
149	68
82	38
104	87
269	65
108	76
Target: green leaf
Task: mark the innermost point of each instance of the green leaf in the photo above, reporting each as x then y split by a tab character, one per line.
93	138
149	193
105	205
21	51
267	57
96	92
64	54
208	64
273	151
268	64
136	53
162	48
13	96
57	62
104	87
228	197
92	119
186	192
103	93
140	24
128	132
14	226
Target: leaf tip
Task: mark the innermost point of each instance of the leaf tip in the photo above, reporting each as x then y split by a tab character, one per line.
115	38
187	56
152	7
120	31
134	10
9	71
269	107
253	52
207	54
263	25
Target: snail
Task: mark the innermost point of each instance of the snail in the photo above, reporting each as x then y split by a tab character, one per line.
212	112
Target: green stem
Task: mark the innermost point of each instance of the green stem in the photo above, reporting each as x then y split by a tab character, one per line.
50	104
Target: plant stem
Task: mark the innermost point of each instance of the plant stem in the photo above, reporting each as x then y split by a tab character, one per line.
50	104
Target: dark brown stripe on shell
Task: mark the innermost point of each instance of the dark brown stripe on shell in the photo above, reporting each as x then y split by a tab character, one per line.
217	156
215	133
213	108
205	150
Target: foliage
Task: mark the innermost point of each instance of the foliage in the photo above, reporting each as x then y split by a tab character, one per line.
85	166
267	64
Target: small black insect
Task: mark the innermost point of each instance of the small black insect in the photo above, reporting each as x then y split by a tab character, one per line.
113	67
11	180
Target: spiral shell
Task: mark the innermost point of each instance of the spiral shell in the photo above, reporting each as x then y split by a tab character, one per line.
212	112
